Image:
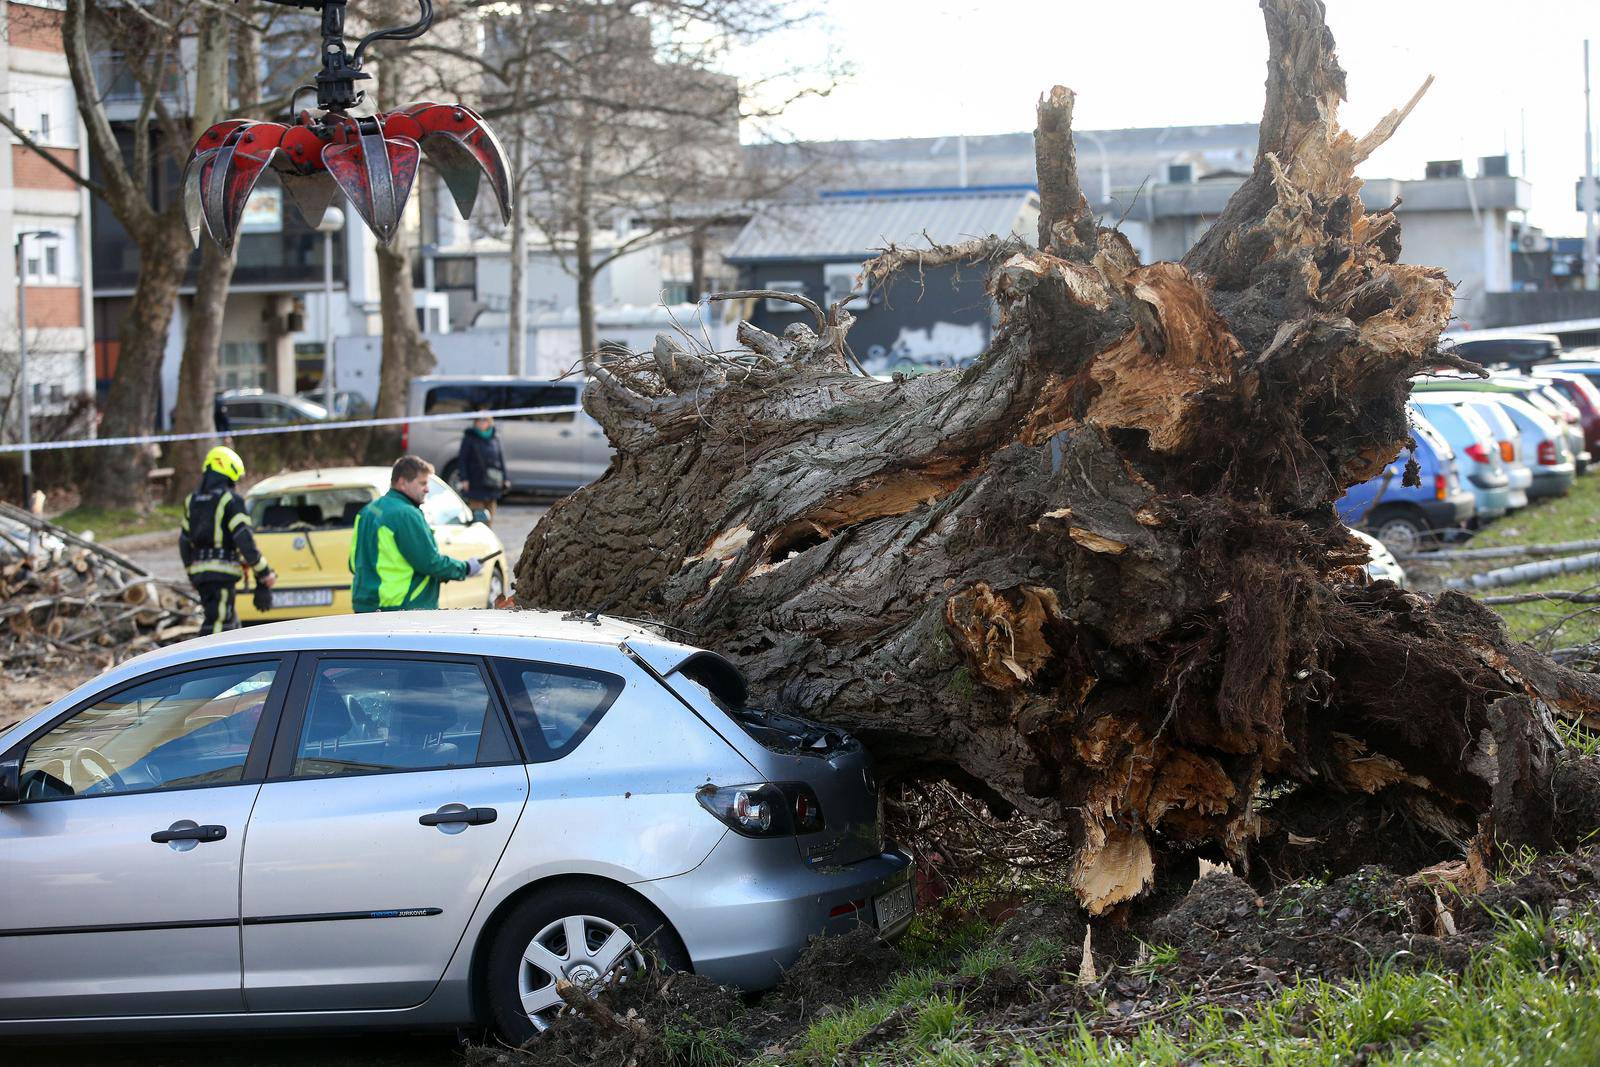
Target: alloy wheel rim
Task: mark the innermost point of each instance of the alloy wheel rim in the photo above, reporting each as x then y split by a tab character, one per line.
1399	537
585	950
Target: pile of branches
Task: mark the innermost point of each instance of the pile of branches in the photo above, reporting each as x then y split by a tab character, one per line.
64	597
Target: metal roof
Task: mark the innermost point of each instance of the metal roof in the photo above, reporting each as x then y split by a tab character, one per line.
854	228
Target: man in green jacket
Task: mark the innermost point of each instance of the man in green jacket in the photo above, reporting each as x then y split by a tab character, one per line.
395	562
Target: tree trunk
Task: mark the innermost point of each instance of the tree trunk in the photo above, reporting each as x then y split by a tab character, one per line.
516	317
121	477
583	247
697	265
406	353
1097	576
202	342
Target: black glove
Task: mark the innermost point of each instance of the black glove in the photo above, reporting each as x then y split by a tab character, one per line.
263	598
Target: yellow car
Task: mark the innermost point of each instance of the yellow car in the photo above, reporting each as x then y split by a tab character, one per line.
303	523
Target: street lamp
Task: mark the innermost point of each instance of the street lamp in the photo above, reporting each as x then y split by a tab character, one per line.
332	222
22	362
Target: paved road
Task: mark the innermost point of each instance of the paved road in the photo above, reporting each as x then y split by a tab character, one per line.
159	551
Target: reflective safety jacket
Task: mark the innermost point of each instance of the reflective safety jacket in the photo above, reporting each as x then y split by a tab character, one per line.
395	563
216	534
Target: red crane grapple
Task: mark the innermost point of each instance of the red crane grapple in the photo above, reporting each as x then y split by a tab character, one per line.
372	159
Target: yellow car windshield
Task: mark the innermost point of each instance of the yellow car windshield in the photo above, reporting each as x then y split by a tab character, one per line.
310	509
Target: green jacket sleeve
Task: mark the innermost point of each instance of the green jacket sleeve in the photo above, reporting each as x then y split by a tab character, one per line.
415	541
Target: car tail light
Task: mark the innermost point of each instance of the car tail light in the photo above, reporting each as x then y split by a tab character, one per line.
1478	452
764	810
1508	451
1547	453
405	437
1441	487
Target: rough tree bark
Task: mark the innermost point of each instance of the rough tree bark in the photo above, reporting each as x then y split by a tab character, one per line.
1096	576
406	353
202	341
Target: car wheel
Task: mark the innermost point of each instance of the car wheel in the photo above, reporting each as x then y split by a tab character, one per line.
448	475
497	586
1401	533
591	937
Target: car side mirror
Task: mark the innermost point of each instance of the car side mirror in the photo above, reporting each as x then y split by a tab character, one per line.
11	782
480	515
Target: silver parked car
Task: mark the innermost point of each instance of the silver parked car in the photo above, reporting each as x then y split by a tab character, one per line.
415	820
553	453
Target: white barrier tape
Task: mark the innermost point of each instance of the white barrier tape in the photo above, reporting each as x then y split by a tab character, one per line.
296	427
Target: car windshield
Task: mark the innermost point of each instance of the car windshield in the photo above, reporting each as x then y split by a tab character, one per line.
331	508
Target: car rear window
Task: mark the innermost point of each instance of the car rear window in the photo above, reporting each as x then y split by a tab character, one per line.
555	706
310	509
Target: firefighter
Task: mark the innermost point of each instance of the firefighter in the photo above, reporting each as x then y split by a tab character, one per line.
216	543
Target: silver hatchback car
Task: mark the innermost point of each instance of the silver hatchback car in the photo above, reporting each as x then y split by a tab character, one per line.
415	820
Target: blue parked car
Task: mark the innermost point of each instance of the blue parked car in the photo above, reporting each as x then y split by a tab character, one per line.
1410	518
1477	452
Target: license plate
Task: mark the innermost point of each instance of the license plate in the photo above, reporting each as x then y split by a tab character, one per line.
892	907
302	598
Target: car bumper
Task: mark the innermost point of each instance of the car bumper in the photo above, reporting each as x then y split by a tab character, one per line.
749	910
1552	481
1491	503
1450	512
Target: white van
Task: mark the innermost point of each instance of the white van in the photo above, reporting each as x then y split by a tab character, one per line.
554	453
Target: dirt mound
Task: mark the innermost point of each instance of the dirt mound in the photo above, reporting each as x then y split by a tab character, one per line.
833	971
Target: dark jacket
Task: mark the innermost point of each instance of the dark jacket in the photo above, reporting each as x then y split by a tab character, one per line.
482	465
216	534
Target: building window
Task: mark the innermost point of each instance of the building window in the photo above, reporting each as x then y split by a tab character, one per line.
840	279
49	258
243	365
455	272
784	307
675	293
44	108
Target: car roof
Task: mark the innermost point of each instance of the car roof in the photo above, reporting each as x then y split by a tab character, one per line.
323	478
479	631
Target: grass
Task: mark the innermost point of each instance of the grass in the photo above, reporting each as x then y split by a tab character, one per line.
1574	517
1531	996
108	523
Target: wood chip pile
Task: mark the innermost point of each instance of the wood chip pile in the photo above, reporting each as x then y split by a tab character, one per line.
64	597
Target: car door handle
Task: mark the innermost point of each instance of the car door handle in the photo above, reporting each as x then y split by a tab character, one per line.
566	433
455	813
188	831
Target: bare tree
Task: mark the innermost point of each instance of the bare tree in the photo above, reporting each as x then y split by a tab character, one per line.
623	133
1098	575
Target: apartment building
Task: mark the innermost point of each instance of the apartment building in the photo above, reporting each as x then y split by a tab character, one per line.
36	92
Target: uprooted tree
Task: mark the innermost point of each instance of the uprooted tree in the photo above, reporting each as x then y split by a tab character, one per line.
1097	576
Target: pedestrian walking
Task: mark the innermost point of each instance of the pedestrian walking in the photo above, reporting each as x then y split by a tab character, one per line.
395	563
216	543
481	466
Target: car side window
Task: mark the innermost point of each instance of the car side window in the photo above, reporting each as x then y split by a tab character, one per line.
554	706
369	716
178	731
450	399
541	396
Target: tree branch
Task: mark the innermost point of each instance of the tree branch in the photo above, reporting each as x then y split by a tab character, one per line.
122	193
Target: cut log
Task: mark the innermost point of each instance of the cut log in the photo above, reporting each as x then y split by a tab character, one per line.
1097	576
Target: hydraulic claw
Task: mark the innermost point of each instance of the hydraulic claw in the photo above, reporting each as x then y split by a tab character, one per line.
371	159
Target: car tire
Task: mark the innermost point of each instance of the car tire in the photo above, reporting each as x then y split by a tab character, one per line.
497	586
448	475
544	918
1403	531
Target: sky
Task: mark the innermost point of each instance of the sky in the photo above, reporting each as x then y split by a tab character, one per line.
940	67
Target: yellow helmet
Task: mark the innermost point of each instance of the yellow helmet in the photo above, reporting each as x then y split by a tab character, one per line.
226	462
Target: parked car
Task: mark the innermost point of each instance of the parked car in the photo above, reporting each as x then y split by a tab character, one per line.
346	403
1508	350
1477	452
1583	395
1410	518
247	408
553	453
1538	395
418	820
1507	438
303	523
1381	564
1554	467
